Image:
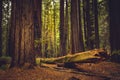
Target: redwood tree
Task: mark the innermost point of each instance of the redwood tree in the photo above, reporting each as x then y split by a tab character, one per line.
89	24
114	14
76	30
21	43
89	41
95	10
62	29
38	23
67	27
0	27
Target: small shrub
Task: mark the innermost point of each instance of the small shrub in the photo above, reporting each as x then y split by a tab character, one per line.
116	52
4	67
5	60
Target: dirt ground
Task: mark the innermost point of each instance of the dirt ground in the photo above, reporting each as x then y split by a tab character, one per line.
86	71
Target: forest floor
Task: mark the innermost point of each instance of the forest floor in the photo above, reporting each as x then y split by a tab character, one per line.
87	71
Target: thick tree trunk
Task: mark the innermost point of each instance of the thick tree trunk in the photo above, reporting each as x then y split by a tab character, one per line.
76	31
114	14
0	27
22	33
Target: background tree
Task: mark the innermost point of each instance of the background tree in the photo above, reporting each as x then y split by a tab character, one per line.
22	33
38	25
1	28
47	21
62	29
87	25
76	31
54	21
6	13
103	18
67	26
90	19
95	10
114	24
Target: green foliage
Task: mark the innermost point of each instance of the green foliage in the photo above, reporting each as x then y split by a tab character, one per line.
7	59
5	24
5	62
103	24
36	43
117	52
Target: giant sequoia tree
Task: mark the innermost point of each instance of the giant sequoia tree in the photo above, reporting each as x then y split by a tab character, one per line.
22	33
114	11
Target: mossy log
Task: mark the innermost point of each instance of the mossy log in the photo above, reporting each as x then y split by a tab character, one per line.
82	57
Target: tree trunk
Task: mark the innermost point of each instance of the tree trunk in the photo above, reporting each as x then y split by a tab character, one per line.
54	18
11	30
91	56
66	27
84	20
80	27
88	22
0	27
38	23
62	29
114	14
22	33
95	8
76	31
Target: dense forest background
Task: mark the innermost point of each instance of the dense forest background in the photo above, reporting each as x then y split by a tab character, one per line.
52	28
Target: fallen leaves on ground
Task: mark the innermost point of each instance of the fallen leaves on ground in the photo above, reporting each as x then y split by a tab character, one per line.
108	69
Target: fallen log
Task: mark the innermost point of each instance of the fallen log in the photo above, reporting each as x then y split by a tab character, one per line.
93	56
